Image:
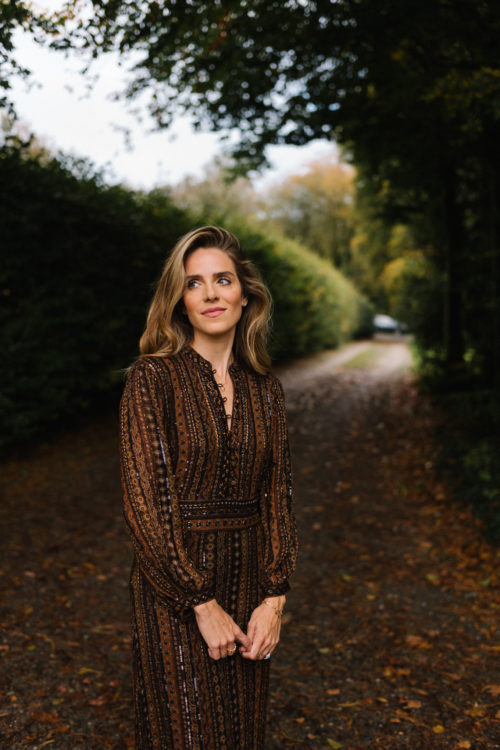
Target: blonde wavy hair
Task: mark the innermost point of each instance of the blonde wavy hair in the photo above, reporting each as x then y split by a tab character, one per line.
168	329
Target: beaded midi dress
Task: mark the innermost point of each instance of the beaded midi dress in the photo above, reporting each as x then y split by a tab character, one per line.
210	511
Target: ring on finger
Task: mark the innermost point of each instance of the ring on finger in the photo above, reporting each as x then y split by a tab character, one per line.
232	651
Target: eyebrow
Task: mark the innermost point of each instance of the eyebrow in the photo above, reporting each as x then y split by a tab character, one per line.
215	275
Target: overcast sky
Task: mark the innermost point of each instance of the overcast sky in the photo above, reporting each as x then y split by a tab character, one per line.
57	107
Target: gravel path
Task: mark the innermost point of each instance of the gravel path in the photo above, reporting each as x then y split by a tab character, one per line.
384	356
392	637
391	634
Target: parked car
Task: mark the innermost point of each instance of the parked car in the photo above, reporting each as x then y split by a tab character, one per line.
386	324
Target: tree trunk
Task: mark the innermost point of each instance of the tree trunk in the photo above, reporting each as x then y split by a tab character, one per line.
452	313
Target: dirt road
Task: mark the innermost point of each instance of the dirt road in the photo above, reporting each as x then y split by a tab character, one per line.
391	633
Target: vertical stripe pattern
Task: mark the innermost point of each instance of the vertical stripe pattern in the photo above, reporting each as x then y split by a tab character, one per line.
210	513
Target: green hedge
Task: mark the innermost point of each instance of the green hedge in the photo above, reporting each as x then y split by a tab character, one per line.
316	307
80	263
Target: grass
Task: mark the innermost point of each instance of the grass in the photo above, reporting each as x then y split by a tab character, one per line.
366	358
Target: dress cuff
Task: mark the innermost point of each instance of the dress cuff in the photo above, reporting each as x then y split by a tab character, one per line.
187	610
276	589
183	608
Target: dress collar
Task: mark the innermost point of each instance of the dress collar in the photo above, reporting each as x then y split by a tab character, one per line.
196	357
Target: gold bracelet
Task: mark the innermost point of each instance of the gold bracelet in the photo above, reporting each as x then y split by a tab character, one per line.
279	612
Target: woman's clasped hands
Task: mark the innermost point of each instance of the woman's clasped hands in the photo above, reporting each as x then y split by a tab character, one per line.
221	633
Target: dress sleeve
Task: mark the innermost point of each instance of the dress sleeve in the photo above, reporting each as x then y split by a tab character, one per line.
151	505
277	507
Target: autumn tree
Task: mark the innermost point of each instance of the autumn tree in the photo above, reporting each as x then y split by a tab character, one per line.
315	207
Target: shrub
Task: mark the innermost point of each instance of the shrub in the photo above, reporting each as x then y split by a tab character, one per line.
316	307
469	453
80	259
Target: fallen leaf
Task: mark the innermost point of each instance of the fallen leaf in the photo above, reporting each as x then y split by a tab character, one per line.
86	670
416	641
413	704
493	689
101	701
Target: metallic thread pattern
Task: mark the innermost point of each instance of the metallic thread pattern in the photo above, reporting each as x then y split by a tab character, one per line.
210	513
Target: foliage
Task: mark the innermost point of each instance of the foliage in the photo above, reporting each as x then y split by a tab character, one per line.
16	16
411	88
469	459
217	193
315	208
413	290
316	307
80	261
12	16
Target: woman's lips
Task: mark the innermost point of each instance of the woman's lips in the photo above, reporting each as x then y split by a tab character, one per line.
213	312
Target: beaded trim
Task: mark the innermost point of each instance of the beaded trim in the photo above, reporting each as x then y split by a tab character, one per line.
220	524
218	508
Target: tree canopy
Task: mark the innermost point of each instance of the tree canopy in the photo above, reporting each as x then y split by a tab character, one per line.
287	72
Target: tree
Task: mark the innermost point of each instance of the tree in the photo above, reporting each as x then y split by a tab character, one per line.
411	87
315	208
217	195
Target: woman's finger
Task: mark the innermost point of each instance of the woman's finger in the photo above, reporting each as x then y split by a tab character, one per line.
264	650
242	638
257	646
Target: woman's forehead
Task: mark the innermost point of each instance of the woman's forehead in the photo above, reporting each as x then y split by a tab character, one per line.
209	260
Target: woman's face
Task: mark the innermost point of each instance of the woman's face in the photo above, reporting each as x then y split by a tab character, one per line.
213	295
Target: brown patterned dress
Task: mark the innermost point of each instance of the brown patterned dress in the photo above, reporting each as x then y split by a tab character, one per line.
210	513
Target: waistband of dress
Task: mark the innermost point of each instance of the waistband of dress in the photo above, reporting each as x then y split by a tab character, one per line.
222	514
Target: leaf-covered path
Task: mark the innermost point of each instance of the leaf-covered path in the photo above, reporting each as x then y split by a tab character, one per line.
391	636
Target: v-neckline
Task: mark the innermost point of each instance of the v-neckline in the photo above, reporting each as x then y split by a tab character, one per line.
233	370
229	427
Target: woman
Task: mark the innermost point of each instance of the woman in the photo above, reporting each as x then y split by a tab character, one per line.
208	501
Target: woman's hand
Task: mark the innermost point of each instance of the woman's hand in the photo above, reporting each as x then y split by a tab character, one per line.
264	628
219	630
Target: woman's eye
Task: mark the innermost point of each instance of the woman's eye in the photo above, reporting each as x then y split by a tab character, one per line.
191	284
224	280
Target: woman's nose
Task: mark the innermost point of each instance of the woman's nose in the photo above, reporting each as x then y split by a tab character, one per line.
211	291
